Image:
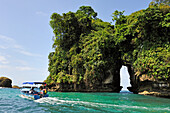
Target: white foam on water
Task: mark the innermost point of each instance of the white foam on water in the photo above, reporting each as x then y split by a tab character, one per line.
49	100
22	96
55	101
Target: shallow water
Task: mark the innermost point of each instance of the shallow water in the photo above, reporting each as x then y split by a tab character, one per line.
12	102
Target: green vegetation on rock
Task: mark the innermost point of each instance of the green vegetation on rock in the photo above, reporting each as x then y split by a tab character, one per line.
89	50
148	33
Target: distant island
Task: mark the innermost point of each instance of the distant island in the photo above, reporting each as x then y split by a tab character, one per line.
89	52
5	82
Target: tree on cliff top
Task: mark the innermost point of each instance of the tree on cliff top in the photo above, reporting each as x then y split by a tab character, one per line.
165	2
69	26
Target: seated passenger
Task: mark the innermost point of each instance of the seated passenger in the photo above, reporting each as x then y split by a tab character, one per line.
31	91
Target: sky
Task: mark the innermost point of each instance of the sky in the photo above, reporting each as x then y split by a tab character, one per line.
26	36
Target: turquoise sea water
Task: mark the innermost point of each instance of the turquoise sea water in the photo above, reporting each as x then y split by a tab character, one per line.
12	102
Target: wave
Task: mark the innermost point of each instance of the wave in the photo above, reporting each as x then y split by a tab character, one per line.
22	96
57	101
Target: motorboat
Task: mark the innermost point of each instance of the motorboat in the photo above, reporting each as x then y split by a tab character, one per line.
34	90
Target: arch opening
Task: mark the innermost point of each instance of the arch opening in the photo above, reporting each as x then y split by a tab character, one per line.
124	78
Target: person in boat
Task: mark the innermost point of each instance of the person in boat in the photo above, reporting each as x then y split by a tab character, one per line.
31	91
43	91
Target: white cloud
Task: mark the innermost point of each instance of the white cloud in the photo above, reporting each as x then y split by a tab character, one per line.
5	38
18	46
4	67
3	47
3	60
41	13
6	42
24	68
21	50
21	62
28	53
10	43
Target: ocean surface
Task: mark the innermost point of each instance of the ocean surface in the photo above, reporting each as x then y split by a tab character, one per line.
11	101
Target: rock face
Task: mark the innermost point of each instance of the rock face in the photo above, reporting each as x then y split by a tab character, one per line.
142	84
81	88
110	83
107	81
5	82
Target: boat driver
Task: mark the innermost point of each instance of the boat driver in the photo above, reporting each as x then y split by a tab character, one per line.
32	90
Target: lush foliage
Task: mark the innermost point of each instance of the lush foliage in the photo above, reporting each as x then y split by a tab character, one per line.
86	48
154	62
144	40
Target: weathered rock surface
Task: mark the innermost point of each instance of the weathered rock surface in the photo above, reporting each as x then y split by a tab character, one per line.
82	88
145	85
157	94
5	82
109	83
154	87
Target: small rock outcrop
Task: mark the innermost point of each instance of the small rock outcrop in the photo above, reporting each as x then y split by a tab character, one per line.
5	82
16	87
159	88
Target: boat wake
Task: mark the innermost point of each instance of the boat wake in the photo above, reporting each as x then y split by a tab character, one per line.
22	96
57	101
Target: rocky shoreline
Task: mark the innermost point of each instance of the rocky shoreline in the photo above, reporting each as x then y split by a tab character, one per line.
146	87
157	94
82	88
